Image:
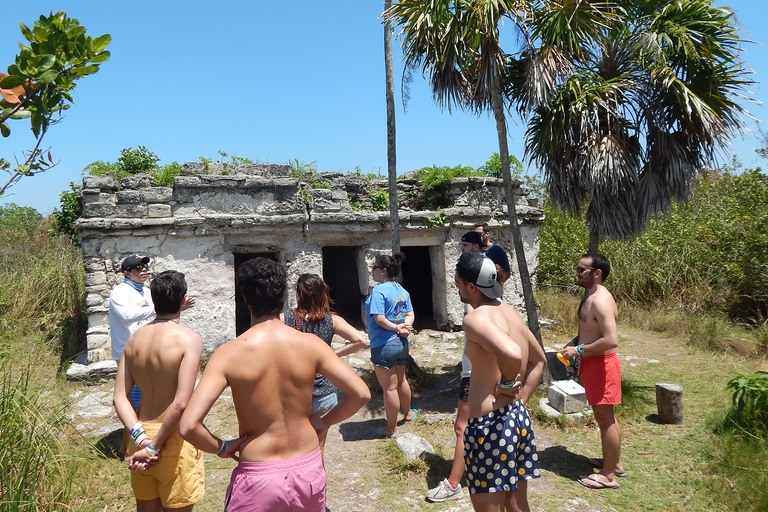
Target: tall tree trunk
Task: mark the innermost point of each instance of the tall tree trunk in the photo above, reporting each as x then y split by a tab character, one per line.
517	237
594	240
391	140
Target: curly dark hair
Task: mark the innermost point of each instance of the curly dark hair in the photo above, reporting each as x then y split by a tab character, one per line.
262	285
390	263
168	289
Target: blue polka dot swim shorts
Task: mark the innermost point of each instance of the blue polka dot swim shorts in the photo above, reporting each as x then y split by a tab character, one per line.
499	450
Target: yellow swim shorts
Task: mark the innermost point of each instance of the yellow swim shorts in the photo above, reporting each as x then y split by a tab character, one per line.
178	478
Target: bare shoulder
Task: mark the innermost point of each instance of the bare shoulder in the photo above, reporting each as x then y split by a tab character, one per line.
603	298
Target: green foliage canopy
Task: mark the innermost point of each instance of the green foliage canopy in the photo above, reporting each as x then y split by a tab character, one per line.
710	254
39	84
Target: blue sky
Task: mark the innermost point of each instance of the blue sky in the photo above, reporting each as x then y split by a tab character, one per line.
267	82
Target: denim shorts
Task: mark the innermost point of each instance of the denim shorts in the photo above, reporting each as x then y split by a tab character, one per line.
323	404
394	353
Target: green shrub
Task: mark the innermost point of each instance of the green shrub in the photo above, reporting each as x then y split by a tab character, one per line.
379	198
71	209
749	413
307	173
710	254
434	182
493	167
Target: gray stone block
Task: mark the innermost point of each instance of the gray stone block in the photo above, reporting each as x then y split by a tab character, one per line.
128	196
190	168
99	209
133	211
102	182
137	181
567	397
159	210
157	194
669	402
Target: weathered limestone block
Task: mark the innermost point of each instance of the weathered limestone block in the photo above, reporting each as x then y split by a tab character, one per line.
190	168
180	182
136	181
97	321
157	195
97	341
567	396
159	210
94	299
276	170
93	264
669	402
128	196
99	209
93	372
102	182
95	195
328	200
95	278
131	210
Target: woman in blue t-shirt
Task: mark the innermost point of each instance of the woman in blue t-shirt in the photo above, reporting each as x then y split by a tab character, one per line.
390	320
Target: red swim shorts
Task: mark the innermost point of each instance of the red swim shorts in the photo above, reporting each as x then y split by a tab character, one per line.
601	378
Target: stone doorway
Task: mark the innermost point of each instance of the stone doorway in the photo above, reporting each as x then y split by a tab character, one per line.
341	276
242	314
417	280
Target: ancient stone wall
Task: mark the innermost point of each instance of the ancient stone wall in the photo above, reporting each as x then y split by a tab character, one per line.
215	216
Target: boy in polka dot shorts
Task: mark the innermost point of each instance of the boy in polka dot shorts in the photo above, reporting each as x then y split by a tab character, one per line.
499	446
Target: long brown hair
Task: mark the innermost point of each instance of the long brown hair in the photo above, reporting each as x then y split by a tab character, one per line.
313	297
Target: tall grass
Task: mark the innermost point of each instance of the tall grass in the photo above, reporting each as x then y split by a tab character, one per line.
34	475
41	281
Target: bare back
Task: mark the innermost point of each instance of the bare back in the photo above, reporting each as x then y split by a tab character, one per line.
597	319
271	369
497	339
154	356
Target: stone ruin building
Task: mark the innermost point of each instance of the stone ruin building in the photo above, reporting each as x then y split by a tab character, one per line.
217	216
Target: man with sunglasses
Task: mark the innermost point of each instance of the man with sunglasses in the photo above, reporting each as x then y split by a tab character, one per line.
600	370
130	307
130	304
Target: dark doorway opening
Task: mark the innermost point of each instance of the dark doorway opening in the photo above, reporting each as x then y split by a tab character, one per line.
417	280
340	274
242	314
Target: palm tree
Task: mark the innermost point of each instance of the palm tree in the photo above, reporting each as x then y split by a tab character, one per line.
628	102
389	68
457	44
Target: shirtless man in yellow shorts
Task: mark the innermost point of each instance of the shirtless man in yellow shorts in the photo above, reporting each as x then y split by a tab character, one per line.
162	357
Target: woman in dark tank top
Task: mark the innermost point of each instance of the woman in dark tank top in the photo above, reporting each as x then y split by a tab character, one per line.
313	315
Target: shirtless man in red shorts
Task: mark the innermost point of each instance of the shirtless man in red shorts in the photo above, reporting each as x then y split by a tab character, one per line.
600	370
271	371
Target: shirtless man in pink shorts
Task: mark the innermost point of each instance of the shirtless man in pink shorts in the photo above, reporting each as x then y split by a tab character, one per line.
271	371
600	370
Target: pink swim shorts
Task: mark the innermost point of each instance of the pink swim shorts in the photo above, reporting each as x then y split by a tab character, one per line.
278	486
601	378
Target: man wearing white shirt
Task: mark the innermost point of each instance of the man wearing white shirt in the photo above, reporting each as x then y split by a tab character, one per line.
130	304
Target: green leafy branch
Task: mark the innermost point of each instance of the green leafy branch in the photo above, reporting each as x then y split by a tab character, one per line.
38	85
